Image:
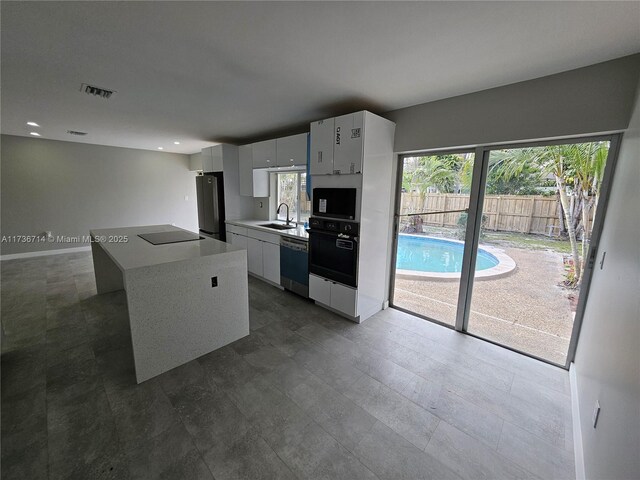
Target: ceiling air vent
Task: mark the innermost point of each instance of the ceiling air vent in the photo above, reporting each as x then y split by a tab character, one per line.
75	132
96	91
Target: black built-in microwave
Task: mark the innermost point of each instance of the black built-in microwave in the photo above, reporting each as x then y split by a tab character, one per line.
334	203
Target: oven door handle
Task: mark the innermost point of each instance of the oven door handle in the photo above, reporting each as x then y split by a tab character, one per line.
345	236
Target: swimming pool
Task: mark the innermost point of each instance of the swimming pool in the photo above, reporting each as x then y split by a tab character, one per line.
424	256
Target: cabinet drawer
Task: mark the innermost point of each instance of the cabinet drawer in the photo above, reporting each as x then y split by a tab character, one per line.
237	229
344	299
320	289
264	236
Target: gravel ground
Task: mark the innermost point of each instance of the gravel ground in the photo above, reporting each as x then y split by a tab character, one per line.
525	310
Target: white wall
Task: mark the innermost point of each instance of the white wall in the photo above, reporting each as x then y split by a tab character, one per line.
195	161
598	98
69	188
607	363
586	100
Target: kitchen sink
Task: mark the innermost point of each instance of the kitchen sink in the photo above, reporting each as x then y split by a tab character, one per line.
277	226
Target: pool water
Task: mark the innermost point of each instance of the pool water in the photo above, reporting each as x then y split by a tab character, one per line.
427	254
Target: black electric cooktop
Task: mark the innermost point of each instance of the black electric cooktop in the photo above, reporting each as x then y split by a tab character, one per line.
161	238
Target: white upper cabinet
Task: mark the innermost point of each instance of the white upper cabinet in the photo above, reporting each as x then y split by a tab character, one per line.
348	143
212	158
322	133
253	182
291	151
245	160
264	154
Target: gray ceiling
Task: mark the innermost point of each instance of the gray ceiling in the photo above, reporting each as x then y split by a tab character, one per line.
204	72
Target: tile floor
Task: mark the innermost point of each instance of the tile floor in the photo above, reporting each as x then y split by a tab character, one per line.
306	395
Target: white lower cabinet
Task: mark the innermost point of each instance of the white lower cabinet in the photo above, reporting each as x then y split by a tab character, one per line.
335	295
254	256
236	240
271	262
344	299
320	289
263	251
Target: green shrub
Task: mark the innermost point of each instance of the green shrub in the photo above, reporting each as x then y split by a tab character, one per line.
462	225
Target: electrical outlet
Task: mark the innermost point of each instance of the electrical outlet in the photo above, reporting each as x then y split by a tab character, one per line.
596	414
214	282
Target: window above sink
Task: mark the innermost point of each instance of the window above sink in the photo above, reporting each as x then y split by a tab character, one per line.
292	190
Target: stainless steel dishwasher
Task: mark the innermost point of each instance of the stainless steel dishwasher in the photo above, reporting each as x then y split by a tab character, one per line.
294	265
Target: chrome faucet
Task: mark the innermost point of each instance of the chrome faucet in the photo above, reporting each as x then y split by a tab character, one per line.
278	212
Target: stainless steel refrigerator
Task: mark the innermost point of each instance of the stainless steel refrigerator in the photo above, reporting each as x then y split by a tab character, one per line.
210	193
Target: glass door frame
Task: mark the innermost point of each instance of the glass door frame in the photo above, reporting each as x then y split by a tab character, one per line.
472	236
396	227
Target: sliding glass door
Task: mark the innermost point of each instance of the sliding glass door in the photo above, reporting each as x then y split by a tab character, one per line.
434	202
502	247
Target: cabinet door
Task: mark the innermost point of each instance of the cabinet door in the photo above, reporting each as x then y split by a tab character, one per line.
322	147
239	241
343	299
320	289
347	150
260	182
271	262
292	151
245	161
230	237
254	256
264	154
207	160
217	155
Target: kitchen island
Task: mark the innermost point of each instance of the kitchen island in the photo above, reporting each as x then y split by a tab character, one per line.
185	299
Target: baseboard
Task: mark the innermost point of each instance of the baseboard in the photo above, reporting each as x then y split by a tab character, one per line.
578	452
43	253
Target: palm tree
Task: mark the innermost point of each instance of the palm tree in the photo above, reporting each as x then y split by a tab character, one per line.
579	166
438	172
557	159
588	162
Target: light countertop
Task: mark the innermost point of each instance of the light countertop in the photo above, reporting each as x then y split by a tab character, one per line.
299	232
136	252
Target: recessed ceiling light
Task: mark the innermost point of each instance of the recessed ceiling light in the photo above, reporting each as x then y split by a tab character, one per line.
160	148
33	124
176	143
35	134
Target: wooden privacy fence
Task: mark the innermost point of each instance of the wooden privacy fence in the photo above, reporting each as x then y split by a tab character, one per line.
507	213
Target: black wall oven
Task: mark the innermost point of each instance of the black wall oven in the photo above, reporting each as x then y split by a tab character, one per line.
333	250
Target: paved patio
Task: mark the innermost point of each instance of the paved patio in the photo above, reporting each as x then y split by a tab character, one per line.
526	310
